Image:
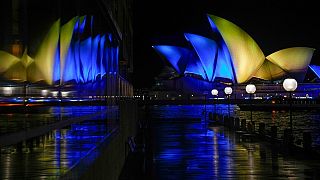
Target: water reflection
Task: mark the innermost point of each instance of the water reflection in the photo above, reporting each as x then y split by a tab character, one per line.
303	120
53	154
188	150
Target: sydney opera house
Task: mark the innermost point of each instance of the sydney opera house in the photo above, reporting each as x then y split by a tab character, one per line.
231	57
55	50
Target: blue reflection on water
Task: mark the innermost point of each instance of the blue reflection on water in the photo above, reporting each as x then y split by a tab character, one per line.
56	152
188	150
305	120
187	146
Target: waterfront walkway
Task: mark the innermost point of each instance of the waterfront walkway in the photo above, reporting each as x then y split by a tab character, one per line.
185	148
48	143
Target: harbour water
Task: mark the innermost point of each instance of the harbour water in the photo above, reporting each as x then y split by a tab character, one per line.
185	148
303	120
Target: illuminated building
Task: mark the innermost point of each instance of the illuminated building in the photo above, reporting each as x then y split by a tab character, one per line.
80	46
234	55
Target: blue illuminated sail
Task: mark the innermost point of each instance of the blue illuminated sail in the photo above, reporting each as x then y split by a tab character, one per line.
194	65
223	65
70	68
110	55
85	59
315	69
94	56
207	50
56	66
174	55
102	59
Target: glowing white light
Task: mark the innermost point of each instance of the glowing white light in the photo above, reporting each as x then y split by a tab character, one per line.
64	93
7	91
290	84
228	90
251	88
44	92
54	93
214	92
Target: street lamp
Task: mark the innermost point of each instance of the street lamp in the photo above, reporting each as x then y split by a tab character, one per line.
214	92
290	85
228	92
251	89
205	93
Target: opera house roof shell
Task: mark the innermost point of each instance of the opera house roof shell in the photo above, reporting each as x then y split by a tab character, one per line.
234	55
67	54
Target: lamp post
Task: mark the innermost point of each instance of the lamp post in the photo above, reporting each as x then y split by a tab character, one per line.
251	89
290	85
228	92
214	93
205	107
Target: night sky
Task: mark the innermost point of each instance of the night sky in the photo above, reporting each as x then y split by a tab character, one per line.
273	24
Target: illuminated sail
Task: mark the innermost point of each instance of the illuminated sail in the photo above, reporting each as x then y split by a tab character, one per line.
68	54
269	71
103	58
315	69
207	50
224	67
6	61
45	57
246	55
174	55
66	35
292	59
95	67
194	66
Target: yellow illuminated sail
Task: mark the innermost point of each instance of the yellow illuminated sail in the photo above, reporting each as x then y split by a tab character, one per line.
44	59
6	61
246	55
269	71
16	72
26	60
292	59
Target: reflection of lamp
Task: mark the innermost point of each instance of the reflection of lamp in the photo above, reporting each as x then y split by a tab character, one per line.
251	89
205	106
7	91
214	92
44	92
290	85
228	92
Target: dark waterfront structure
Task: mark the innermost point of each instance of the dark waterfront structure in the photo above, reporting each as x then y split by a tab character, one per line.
65	82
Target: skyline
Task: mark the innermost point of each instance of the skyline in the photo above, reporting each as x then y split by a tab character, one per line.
289	24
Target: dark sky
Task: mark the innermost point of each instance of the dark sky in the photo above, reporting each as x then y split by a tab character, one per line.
273	24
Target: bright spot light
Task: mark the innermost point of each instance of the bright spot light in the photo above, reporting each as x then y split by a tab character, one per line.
44	92
7	91
54	93
64	93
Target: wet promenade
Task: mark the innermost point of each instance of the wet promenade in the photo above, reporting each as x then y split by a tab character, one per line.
184	148
51	155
